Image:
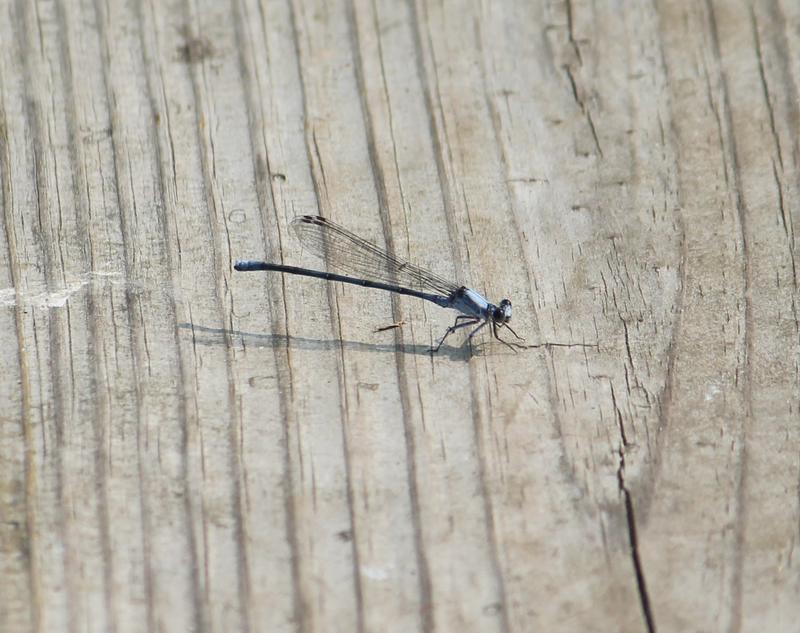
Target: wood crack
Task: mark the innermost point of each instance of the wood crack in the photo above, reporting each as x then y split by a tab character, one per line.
633	542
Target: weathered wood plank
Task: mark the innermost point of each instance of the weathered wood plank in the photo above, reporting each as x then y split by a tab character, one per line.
182	448
732	404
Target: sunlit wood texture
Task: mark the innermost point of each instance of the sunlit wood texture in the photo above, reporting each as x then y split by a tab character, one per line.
184	448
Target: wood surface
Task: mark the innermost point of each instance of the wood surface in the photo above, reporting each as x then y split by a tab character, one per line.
185	448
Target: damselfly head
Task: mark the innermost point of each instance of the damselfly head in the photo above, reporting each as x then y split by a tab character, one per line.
502	313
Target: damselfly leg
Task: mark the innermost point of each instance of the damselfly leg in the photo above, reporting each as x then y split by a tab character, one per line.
468	320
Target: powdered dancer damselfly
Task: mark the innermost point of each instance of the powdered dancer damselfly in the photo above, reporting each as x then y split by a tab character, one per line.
376	268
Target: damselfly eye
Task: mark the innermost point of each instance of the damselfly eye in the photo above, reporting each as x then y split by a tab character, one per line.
502	313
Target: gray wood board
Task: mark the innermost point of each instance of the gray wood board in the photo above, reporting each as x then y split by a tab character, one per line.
185	448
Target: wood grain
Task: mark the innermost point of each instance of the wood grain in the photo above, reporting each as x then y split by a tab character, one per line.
183	448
